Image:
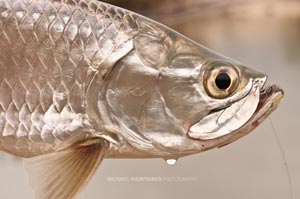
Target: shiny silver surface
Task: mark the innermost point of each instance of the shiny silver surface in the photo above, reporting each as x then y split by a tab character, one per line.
86	69
82	69
51	52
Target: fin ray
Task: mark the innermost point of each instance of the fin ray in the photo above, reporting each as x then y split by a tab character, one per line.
61	175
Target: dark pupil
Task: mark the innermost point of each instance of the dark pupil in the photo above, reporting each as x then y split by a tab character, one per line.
223	81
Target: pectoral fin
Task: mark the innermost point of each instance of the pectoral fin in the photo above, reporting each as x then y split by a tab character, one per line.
61	175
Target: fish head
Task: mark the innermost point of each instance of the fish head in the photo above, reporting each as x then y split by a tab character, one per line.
171	96
216	100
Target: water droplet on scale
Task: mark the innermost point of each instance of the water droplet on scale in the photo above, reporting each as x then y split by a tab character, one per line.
171	162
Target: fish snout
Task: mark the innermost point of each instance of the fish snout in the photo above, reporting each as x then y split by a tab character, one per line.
259	79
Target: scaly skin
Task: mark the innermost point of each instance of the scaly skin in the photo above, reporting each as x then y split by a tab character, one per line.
73	70
50	52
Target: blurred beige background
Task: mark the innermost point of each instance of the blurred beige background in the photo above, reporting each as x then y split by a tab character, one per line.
263	34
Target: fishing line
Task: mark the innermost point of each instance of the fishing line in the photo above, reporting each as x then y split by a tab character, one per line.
287	170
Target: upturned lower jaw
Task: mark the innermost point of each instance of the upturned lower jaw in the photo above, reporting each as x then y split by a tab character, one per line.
267	92
270	98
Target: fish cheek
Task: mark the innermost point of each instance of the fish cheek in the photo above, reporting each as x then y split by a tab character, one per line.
183	98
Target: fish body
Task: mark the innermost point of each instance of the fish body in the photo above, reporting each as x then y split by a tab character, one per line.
84	80
51	52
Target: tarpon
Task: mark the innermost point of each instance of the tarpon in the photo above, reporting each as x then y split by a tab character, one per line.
82	80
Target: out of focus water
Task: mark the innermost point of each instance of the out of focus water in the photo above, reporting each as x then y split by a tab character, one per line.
251	168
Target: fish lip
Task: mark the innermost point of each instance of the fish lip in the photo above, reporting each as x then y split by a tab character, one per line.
270	96
266	92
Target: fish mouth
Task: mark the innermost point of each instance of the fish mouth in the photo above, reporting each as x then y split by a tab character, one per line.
267	93
269	99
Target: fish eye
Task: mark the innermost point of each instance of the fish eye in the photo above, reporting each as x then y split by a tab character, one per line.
221	80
